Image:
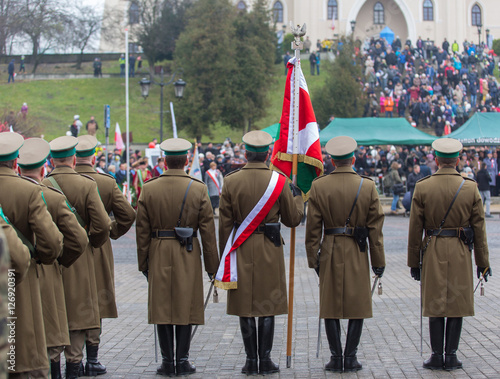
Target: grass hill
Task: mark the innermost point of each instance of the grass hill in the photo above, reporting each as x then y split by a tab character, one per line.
53	103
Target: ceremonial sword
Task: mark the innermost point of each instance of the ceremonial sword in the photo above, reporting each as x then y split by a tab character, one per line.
205	307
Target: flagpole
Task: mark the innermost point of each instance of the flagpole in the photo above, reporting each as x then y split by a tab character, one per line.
127	138
297	45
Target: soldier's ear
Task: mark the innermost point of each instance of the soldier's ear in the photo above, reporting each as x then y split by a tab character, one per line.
333	163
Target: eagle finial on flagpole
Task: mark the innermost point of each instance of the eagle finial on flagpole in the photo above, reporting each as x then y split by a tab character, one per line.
297	32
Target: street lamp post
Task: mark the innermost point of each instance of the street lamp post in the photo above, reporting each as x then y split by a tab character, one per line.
479	27
178	89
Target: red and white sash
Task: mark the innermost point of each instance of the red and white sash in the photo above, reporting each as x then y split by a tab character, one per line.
214	180
227	274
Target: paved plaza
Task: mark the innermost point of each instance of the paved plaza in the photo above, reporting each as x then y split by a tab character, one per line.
390	343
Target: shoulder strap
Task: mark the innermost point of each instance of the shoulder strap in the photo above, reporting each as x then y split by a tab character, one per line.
354	204
73	209
183	202
21	236
452	201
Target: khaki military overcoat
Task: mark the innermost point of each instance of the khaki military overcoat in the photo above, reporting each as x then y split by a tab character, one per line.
23	204
80	289
447	281
261	265
51	282
175	275
345	279
124	216
19	254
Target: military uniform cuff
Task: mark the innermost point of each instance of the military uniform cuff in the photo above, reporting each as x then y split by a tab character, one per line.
413	257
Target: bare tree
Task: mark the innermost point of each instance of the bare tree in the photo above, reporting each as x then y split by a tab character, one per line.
43	21
9	28
85	24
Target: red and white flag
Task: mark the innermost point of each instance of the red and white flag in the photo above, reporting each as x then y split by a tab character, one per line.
227	274
118	138
310	159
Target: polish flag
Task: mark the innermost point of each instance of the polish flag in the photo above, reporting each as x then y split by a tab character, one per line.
118	138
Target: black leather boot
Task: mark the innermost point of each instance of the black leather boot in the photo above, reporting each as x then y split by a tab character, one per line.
72	370
453	331
81	369
93	367
266	337
332	327
183	342
166	339
55	370
436	331
354	329
249	334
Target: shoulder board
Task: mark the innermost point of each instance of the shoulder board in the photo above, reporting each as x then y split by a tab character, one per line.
424	178
366	177
105	174
56	190
30	180
321	176
472	180
233	172
88	177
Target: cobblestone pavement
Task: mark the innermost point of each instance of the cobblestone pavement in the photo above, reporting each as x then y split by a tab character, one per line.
390	343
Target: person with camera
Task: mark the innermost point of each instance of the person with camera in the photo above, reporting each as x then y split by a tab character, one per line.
173	213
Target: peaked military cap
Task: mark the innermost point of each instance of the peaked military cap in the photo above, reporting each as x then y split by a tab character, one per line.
341	147
176	146
86	146
63	147
33	154
257	141
447	147
10	143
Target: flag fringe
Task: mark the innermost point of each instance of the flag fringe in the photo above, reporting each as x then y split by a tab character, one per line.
300	158
225	285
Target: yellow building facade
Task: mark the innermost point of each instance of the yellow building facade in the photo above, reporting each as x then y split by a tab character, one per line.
328	19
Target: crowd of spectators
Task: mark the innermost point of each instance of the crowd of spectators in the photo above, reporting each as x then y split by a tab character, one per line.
436	87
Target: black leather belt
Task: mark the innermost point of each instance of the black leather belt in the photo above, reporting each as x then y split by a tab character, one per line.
348	231
442	232
167	234
259	229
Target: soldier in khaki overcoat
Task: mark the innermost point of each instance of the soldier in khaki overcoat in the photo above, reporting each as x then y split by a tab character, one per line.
124	217
80	288
24	208
19	253
261	287
31	162
343	263
175	295
446	273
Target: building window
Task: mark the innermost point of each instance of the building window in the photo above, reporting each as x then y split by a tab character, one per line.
428	10
133	14
333	10
476	15
378	14
278	11
133	48
242	6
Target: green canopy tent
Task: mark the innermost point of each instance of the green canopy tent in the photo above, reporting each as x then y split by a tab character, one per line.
480	129
376	131
273	130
